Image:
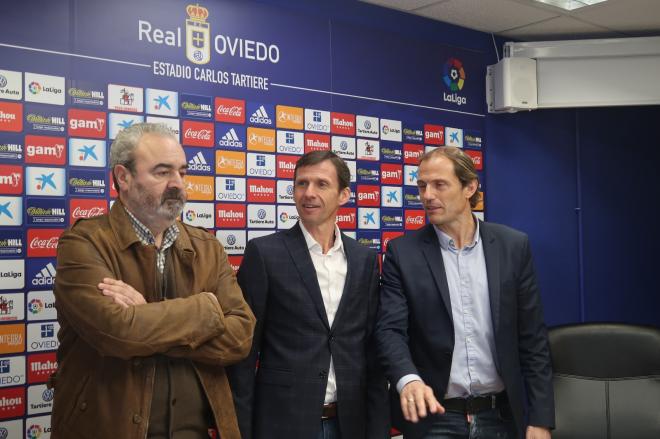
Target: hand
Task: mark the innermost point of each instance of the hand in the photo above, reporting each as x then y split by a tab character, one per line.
122	293
537	432
415	398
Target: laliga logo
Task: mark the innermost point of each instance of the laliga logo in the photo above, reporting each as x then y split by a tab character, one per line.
35	306
190	215
454	78
35	87
33	432
198	35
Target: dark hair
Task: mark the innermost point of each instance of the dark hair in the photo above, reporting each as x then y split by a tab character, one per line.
463	167
316	157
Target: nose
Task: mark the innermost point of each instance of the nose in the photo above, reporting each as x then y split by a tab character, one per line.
310	191
426	193
177	181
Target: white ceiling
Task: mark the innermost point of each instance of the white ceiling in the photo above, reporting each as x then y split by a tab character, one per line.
527	20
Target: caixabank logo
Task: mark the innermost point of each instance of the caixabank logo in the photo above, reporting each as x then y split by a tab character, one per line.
453	76
200	42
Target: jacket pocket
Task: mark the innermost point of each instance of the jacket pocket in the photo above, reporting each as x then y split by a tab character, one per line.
278	377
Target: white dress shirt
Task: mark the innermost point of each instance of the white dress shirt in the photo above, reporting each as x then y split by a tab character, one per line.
331	271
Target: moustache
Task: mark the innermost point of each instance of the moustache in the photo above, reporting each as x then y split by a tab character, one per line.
173	194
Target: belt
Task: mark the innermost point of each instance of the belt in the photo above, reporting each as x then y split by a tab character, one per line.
475	404
329	411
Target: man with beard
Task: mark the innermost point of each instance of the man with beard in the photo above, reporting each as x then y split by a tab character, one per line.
149	308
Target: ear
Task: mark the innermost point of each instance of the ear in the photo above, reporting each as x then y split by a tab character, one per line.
123	176
471	188
344	196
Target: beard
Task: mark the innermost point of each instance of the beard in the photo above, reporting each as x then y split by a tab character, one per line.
168	207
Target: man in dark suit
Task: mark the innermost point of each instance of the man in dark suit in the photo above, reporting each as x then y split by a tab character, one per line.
315	294
461	320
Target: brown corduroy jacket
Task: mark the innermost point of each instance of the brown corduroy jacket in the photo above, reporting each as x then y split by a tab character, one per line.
104	382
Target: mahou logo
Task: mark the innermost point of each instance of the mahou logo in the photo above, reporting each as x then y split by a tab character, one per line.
342	123
12	402
45	150
11	179
414	219
40	367
230	216
230	110
286	165
86	208
316	142
346	218
260	190
42	243
11	117
86	123
198	133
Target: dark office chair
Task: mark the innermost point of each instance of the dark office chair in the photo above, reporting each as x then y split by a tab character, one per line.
607	381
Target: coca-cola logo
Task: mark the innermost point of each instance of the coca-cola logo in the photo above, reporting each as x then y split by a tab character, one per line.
235	110
198	134
40	243
79	212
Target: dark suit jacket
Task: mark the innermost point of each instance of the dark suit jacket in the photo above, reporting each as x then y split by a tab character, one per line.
284	398
415	331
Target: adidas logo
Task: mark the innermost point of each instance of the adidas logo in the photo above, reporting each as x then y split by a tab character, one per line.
199	163
231	139
46	276
261	116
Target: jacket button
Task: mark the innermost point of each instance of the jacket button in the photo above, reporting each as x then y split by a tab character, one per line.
137	362
322	374
137	419
83	406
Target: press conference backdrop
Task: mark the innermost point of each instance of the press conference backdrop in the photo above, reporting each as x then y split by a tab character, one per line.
248	88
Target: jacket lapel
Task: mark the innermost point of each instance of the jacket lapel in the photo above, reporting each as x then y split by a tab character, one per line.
493	271
297	247
431	249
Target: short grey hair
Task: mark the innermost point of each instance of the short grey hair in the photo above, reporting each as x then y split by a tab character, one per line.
121	150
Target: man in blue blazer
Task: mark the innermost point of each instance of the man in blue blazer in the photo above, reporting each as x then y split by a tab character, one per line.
460	331
315	294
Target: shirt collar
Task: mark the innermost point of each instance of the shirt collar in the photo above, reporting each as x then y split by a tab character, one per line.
145	235
313	244
447	243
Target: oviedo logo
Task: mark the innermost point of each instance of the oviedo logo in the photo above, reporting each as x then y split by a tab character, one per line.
198	35
454	78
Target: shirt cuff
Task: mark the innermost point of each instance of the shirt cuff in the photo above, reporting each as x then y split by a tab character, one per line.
407	379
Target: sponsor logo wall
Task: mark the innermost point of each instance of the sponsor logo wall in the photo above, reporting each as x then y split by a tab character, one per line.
55	136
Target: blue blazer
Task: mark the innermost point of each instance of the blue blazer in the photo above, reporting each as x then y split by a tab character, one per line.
293	343
415	332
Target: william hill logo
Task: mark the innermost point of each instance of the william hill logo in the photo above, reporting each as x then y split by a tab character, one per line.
200	42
